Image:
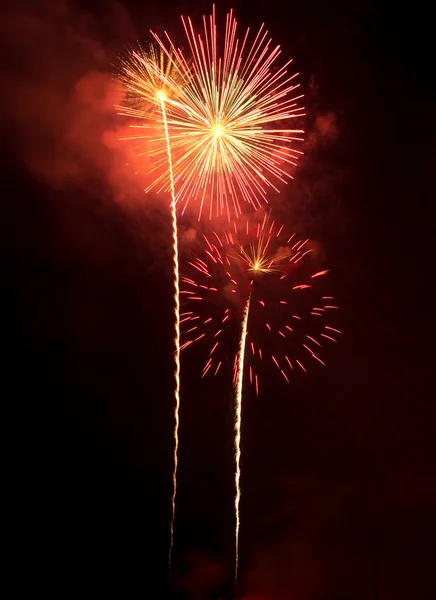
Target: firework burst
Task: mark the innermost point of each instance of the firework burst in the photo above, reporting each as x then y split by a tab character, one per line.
228	116
149	75
290	315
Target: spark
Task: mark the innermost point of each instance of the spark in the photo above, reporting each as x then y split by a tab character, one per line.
333	329
300	365
328	337
313	340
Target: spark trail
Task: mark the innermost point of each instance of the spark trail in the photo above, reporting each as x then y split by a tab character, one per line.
238	421
176	323
146	75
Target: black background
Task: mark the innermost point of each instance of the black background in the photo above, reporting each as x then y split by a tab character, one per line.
338	476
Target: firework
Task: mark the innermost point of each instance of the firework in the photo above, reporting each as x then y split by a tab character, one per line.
229	116
289	313
146	77
217	126
254	294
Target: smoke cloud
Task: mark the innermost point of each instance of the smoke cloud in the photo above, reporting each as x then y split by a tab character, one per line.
59	110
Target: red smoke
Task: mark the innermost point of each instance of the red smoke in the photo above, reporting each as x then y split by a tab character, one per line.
59	114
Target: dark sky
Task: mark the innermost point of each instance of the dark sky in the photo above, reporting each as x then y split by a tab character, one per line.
338	483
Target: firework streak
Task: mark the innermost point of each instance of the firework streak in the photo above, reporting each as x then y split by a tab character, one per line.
176	329
145	77
238	421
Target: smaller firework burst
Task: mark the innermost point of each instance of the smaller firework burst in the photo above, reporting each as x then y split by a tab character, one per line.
291	319
150	76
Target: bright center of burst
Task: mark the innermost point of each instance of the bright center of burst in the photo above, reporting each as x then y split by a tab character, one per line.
161	95
256	267
217	130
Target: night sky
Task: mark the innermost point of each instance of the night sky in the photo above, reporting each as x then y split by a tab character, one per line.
338	469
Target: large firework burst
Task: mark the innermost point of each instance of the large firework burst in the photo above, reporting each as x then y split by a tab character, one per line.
229	113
